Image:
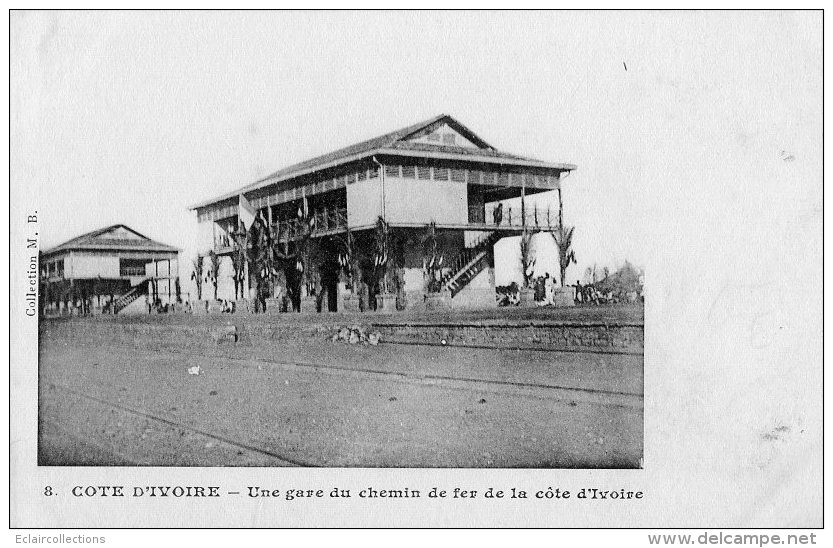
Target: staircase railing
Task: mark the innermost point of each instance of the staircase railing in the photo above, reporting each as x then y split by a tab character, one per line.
467	264
125	300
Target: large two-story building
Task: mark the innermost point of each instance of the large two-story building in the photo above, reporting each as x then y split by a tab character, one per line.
437	171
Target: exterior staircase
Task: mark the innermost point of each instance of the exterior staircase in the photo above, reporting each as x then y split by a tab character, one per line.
468	264
125	300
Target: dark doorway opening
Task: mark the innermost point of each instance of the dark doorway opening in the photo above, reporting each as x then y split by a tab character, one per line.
329	283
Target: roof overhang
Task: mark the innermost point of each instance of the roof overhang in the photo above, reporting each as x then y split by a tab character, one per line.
95	248
472	158
475	158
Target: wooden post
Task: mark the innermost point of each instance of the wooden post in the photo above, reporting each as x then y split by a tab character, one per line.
523	203
560	209
244	285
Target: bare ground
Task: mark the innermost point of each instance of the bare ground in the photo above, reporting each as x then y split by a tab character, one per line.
330	404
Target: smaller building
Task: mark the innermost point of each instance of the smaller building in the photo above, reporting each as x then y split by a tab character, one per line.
106	270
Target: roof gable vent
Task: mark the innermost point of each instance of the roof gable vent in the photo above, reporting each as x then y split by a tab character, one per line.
119	233
444	135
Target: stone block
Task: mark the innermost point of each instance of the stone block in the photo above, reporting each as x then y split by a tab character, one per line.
564	296
386	302
350	303
309	305
437	301
526	297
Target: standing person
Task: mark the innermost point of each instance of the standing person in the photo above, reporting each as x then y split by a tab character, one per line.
497	213
147	302
549	286
364	296
578	292
539	290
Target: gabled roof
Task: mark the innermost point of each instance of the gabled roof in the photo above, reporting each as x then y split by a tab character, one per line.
112	238
394	142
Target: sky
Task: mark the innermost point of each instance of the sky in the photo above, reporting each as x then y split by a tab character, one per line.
131	117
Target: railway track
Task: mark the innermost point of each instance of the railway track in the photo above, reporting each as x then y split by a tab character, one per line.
100	390
168	422
621	398
579	350
557	391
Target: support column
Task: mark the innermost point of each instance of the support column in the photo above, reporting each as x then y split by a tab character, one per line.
523	203
245	283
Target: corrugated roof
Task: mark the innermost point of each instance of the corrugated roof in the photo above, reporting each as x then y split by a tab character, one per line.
382	141
482	152
395	140
94	241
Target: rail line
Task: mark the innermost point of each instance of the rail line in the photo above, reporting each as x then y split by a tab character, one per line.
580	350
415	377
175	424
411	377
431	377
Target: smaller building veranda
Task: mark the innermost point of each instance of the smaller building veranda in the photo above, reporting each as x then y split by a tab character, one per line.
107	270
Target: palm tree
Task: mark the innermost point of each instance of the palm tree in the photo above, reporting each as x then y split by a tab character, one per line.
527	257
380	262
214	271
289	253
240	237
563	237
349	261
197	275
432	260
257	250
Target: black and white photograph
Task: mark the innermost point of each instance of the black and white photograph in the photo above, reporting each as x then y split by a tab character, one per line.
345	311
577	249
409	300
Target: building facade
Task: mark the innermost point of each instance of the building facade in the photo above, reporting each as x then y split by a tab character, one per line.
105	271
414	213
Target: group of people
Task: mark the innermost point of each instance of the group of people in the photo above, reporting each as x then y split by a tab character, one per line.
544	287
223	240
590	294
156	305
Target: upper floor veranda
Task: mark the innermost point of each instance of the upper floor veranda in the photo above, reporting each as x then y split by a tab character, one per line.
406	195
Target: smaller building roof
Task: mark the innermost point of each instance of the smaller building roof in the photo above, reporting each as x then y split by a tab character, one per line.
112	238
